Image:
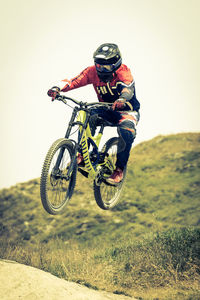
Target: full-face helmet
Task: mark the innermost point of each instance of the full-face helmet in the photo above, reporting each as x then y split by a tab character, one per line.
107	59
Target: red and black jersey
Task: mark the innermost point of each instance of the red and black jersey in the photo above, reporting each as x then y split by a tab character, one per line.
121	86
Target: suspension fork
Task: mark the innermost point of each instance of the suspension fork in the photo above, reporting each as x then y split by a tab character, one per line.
77	145
60	155
71	122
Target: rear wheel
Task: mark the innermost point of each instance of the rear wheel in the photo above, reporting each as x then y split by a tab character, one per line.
56	185
107	195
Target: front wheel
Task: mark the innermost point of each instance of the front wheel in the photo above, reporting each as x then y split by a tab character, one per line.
56	185
107	195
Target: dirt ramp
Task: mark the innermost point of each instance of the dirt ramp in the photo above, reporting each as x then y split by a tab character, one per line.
18	281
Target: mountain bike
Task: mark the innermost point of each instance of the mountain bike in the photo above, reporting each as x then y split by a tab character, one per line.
60	166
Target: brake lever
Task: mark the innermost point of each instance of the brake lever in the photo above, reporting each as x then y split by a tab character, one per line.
59	98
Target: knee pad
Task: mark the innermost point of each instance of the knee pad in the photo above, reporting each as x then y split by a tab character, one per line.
127	130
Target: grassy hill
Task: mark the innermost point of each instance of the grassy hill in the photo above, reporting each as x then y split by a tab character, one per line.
148	241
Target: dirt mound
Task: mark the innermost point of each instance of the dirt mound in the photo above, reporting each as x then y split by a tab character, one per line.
19	281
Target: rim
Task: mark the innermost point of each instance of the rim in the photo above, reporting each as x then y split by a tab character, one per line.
110	193
57	186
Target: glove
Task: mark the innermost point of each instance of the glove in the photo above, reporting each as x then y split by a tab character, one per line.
53	92
119	104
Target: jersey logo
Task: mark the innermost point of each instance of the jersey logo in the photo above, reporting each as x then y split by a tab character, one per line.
102	90
114	90
107	89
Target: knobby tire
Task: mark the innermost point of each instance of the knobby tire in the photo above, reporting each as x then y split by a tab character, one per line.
106	195
56	191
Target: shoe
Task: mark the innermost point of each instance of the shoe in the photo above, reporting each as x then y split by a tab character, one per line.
116	177
80	160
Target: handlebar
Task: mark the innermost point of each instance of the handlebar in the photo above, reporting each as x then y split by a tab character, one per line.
82	104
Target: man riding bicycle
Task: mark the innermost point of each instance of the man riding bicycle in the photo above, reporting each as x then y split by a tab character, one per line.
113	83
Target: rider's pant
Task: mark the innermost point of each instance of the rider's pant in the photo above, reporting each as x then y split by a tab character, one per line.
126	126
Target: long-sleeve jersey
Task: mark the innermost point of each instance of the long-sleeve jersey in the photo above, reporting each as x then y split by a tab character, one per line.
122	86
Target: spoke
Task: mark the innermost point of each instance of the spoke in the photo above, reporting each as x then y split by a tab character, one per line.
58	187
110	193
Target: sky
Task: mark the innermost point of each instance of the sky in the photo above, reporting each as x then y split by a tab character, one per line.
44	41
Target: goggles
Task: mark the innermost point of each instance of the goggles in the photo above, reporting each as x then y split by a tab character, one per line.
108	68
105	68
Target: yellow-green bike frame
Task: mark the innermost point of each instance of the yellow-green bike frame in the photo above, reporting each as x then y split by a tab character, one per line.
84	146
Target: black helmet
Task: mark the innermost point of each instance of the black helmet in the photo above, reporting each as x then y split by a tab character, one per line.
107	59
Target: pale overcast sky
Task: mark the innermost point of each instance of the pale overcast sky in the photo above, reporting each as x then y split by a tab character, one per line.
45	41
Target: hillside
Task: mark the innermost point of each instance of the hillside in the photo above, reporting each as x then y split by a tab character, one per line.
162	191
160	199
